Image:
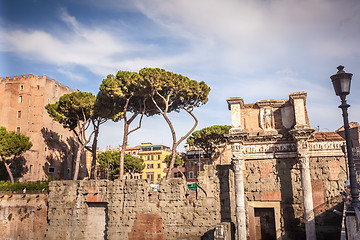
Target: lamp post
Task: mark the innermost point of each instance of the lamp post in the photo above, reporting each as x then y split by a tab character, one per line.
342	81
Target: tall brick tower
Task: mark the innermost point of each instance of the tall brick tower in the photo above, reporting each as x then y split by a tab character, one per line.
22	102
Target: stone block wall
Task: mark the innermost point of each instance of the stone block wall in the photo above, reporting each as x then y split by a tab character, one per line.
129	210
23	216
279	181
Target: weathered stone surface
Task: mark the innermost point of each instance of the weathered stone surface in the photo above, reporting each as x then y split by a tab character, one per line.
288	168
132	211
23	216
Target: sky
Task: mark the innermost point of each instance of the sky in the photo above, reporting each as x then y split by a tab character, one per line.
257	50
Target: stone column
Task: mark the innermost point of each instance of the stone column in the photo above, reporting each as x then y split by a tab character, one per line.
237	165
301	137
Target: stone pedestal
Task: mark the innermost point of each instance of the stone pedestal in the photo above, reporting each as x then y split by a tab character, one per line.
223	231
235	105
298	99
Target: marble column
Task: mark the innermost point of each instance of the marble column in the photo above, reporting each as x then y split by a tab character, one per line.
237	166
301	137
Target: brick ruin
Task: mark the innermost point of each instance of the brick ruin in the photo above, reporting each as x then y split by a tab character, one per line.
128	209
288	170
23	216
273	148
22	109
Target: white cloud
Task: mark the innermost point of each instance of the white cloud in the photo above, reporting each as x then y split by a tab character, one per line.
261	33
252	49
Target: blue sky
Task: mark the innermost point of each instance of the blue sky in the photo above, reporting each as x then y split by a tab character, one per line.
260	49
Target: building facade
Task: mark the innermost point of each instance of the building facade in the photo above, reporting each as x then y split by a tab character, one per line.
22	109
196	158
194	163
154	159
287	177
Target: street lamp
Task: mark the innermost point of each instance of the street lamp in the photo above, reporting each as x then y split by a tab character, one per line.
342	81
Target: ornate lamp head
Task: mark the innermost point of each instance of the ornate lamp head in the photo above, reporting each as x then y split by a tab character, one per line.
341	82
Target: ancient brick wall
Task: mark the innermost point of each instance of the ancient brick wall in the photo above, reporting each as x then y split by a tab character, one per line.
23	216
22	107
129	210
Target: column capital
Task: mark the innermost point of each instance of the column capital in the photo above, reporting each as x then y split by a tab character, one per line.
236	162
301	135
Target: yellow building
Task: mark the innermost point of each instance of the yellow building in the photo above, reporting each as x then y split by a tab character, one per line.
89	158
88	155
154	156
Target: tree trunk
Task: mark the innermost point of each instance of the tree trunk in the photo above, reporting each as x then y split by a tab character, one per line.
77	162
93	172
9	172
123	148
170	173
174	146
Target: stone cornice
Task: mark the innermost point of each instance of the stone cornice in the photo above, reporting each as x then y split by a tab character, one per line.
298	95
302	133
271	103
245	138
235	100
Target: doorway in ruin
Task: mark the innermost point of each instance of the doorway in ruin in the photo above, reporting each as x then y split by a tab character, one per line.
263	220
97	218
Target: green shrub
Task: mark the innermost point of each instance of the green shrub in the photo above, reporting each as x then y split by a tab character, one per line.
31	187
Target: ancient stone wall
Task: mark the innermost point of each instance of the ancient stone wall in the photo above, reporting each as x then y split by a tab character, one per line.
23	216
288	170
278	181
129	210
